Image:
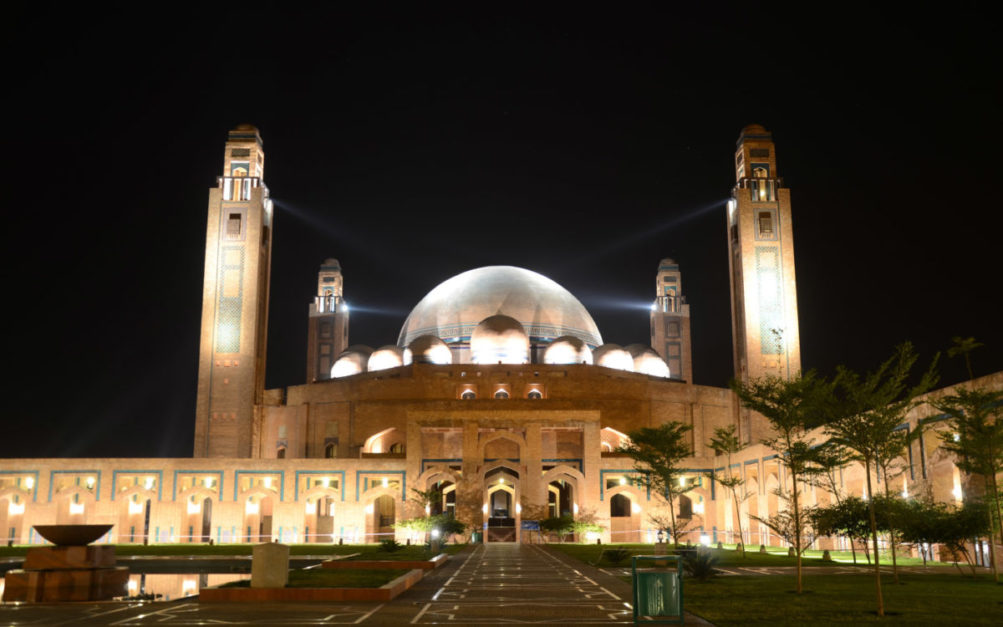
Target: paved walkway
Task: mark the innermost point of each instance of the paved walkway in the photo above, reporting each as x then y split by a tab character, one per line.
492	584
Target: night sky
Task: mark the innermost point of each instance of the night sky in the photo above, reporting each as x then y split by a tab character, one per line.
412	147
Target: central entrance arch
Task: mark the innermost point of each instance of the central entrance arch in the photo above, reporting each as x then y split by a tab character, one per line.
501	504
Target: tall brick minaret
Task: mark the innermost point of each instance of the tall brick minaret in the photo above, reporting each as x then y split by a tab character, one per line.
670	321
238	255
761	257
327	334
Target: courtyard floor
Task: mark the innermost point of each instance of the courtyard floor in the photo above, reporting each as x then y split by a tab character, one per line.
492	584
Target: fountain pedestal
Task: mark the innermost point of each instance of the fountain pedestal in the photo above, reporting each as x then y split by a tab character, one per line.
70	571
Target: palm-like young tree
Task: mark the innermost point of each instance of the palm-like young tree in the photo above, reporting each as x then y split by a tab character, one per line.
790	405
657	452
976	421
865	415
726	442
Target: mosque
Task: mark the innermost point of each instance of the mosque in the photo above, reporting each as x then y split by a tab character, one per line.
500	392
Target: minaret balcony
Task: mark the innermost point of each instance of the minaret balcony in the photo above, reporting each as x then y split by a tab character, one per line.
238	188
665	304
760	189
329	304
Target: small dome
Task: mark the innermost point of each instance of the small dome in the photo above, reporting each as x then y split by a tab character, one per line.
429	349
614	356
755	129
567	349
353	361
246	127
389	356
499	339
647	361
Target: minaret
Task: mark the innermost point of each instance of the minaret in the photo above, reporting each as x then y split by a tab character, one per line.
761	258
327	335
670	321
234	301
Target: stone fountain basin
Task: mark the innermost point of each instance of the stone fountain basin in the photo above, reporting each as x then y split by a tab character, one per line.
72	535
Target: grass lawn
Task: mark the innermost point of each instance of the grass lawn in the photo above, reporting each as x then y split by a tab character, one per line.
729	557
370	551
936	599
328	578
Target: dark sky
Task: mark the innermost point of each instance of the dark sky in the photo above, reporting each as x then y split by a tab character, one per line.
412	147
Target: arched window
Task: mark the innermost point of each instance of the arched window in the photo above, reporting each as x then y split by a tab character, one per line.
281	453
330	450
501	394
468	395
534	394
397	447
619	506
685	507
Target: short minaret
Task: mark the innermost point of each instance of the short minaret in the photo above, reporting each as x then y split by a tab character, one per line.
327	335
234	301
761	258
670	322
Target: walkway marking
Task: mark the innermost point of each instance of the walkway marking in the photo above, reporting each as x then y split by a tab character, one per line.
521	584
120	609
421	613
363	617
578	573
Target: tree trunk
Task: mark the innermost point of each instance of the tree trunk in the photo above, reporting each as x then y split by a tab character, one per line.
999	519
891	533
874	538
797	529
738	514
672	519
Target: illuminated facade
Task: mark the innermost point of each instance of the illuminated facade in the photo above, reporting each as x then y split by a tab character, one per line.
499	391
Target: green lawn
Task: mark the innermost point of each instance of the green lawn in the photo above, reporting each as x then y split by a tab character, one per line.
370	551
940	599
331	578
774	556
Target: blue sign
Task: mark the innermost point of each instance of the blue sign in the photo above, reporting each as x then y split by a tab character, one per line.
531	525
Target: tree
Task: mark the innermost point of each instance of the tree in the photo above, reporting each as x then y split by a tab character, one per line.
964	347
919	523
657	452
975	438
676	528
866	412
559	525
889	459
795	526
422	501
848	518
790	405
726	442
829	459
938	523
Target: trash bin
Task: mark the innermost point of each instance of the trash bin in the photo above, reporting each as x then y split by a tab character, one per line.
475	537
657	582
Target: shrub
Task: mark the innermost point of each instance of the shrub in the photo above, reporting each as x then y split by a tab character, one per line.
390	545
615	556
700	565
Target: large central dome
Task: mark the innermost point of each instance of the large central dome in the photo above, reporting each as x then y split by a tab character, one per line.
453	309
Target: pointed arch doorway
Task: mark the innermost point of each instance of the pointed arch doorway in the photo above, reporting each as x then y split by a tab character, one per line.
501	505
